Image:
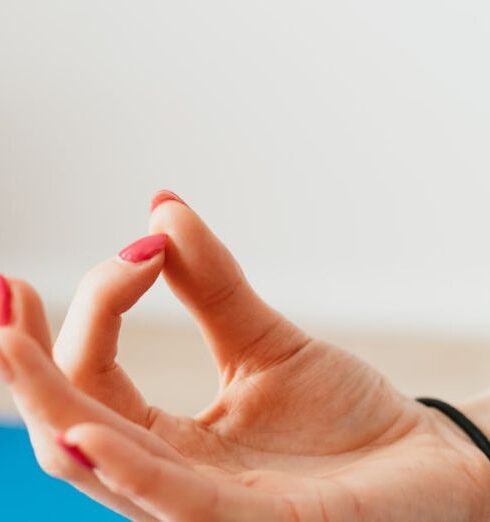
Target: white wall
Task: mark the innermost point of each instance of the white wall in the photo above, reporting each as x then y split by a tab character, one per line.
341	149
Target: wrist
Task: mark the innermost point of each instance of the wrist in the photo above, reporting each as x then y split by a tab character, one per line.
477	409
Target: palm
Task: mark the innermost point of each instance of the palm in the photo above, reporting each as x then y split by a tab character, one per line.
344	439
319	401
288	429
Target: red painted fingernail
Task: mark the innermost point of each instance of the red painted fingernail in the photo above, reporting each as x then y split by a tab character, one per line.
165	195
144	249
75	453
5	302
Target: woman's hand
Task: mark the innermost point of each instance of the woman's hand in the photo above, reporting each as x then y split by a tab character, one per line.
299	431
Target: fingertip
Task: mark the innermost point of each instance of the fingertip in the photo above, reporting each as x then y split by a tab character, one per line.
16	291
5	301
95	444
73	451
82	442
116	284
144	249
86	434
22	307
175	220
165	195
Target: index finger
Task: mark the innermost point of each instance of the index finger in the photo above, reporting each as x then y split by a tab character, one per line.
43	393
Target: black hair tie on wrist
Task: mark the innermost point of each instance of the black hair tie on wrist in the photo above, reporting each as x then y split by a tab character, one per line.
473	432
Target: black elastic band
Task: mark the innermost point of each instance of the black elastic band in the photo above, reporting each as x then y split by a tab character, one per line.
473	432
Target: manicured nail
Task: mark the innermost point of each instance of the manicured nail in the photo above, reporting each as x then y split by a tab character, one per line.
6	374
144	249
75	453
165	195
5	302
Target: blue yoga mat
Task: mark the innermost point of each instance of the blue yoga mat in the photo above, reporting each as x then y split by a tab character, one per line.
28	494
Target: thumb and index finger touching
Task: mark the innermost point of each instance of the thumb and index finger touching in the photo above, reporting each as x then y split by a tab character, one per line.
239	327
244	333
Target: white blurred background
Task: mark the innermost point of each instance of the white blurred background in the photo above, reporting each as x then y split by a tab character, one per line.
340	149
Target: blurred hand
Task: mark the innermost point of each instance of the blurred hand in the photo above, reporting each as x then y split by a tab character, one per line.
299	431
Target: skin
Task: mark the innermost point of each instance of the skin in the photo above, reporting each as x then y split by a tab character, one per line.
300	430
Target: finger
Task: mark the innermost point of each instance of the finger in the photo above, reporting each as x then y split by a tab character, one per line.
43	394
86	347
164	488
49	405
22	311
243	331
87	343
22	306
49	389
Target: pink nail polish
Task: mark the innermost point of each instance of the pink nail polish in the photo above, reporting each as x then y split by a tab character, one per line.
144	248
165	195
75	453
5	302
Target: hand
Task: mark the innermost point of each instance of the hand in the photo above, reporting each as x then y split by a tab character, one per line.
300	429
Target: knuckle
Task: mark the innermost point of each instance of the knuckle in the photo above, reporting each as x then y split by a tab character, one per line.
222	295
94	286
92	280
14	343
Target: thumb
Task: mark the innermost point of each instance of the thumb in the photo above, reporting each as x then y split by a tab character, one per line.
243	331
